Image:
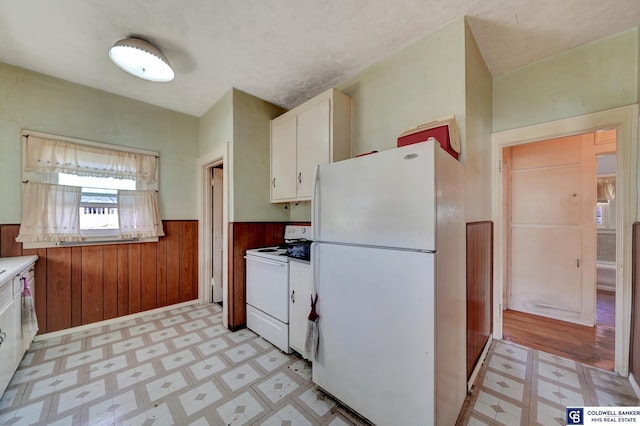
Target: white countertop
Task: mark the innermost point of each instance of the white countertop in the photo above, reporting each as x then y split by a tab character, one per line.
13	266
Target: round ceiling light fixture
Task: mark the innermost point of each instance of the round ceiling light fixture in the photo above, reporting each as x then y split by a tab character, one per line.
142	59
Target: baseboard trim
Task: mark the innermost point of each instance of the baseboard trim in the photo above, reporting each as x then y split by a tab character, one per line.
476	369
93	325
634	385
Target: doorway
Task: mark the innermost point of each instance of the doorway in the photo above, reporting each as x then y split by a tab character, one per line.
557	208
624	120
207	231
217	183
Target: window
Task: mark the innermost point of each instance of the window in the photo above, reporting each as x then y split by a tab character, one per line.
82	192
98	211
601	215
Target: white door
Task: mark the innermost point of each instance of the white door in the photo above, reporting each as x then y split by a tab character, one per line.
552	229
376	351
216	253
313	144
283	158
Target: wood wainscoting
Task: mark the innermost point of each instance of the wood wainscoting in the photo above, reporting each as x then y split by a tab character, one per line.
243	236
86	284
479	290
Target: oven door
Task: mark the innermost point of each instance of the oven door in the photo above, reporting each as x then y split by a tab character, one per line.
268	286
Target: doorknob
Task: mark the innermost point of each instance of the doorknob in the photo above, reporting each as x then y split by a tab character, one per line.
577	263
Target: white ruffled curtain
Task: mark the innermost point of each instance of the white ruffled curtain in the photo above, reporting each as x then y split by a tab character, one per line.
139	214
50	213
48	155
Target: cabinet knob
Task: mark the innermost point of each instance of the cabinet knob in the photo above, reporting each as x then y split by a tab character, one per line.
274	182
293	296
300	177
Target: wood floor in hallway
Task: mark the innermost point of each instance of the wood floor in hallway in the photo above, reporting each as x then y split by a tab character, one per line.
589	345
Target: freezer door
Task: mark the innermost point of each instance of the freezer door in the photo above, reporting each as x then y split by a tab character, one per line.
383	199
376	350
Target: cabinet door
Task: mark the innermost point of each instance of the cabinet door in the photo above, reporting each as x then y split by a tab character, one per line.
19	348
283	159
300	284
8	345
313	144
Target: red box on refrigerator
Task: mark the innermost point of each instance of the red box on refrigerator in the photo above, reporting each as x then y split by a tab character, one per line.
444	130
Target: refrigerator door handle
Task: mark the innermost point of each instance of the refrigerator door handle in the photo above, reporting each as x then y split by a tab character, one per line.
315	208
314	269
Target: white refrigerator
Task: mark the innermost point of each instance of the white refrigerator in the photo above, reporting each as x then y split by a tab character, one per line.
389	265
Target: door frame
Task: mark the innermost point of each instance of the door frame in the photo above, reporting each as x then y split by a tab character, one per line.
625	120
219	156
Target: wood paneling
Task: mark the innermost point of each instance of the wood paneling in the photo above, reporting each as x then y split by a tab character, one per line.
173	262
243	236
8	245
123	280
161	262
634	361
80	285
76	286
187	259
92	285
149	275
110	281
134	278
58	303
479	289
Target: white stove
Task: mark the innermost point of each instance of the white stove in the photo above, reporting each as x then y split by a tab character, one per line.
267	284
275	253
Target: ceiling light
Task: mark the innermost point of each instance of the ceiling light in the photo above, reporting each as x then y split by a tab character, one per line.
142	59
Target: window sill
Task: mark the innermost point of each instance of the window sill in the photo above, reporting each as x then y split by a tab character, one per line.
88	241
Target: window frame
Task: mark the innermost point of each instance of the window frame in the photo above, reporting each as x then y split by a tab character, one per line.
89	237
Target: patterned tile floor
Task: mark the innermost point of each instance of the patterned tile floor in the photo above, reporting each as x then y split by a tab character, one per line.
523	386
182	367
176	367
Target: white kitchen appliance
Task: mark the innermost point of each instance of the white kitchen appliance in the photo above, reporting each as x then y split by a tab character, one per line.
267	286
388	262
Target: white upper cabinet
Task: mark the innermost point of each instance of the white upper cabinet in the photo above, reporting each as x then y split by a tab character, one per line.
316	132
283	147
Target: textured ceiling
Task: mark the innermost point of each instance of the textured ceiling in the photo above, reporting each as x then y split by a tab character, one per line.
283	51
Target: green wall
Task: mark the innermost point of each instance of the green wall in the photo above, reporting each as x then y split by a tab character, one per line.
41	103
251	159
595	77
420	83
216	125
477	149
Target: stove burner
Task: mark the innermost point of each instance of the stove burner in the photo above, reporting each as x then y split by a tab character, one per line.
267	250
